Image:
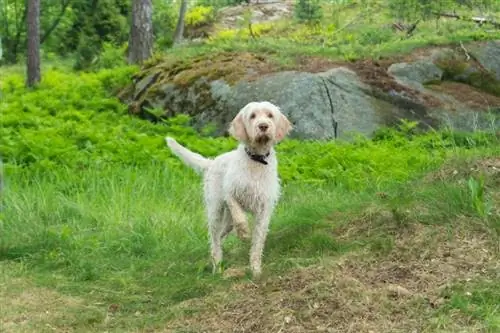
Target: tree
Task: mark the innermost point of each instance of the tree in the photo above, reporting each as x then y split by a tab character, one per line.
140	45
179	29
308	11
33	47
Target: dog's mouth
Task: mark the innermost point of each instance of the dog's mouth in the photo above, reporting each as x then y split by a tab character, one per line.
262	138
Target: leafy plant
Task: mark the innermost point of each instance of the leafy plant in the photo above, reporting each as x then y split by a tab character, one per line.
308	11
478	197
200	15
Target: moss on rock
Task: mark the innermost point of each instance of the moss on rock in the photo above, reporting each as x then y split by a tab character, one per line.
468	72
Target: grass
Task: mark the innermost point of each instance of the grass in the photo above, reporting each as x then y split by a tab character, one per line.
125	248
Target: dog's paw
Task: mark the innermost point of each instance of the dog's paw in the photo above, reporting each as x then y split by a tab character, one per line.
243	233
218	268
256	274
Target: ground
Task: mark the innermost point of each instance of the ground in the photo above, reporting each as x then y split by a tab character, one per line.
411	262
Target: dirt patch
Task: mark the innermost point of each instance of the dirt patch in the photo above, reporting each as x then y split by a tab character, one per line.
359	293
374	73
468	95
456	171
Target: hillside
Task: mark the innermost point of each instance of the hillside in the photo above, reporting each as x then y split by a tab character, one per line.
347	68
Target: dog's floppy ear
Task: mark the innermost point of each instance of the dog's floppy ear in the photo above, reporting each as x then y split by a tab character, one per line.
237	128
283	128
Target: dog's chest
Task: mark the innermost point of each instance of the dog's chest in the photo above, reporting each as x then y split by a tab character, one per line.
252	187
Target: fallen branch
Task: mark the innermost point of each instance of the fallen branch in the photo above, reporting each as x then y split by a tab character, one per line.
476	19
408	28
465	51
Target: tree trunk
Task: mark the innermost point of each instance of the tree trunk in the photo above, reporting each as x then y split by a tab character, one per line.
179	29
33	49
140	45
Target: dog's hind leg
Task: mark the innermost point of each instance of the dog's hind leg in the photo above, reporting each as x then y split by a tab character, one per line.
227	222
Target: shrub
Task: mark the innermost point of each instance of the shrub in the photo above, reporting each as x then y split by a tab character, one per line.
308	10
111	56
72	121
199	16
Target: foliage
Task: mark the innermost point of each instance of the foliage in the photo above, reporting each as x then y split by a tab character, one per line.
308	11
70	121
79	27
164	19
347	29
477	193
425	9
199	15
219	3
111	56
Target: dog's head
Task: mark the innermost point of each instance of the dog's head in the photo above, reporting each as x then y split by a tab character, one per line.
260	124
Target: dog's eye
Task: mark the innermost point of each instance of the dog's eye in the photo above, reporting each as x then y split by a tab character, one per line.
252	116
270	115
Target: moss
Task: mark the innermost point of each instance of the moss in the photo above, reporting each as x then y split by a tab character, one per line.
455	69
485	82
452	67
232	67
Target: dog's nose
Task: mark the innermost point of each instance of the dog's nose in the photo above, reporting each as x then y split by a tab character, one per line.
263	127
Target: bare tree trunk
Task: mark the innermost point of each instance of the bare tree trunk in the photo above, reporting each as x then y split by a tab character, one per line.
33	50
179	29
140	45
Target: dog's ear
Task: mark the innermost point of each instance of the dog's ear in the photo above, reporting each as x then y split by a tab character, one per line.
237	128
283	128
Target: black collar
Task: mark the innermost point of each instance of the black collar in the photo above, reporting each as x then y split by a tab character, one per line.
257	157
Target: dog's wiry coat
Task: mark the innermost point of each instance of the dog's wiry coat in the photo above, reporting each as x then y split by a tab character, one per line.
236	182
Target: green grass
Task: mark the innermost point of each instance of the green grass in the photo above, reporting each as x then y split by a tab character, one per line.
136	237
476	301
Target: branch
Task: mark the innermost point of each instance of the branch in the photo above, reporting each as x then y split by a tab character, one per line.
251	31
56	22
465	51
477	19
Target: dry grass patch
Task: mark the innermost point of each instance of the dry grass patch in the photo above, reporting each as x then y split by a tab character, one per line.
361	292
24	307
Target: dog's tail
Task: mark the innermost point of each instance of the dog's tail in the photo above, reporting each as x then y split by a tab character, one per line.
194	160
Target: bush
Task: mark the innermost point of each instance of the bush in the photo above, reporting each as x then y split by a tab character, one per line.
199	16
72	121
308	11
111	56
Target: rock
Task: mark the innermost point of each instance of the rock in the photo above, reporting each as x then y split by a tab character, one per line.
265	11
488	56
336	101
417	73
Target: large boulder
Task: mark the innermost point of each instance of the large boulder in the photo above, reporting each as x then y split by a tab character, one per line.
488	55
419	72
336	100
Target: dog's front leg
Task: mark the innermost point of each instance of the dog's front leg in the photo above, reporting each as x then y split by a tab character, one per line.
258	239
239	218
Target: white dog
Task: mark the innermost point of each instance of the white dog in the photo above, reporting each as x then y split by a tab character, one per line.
243	180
